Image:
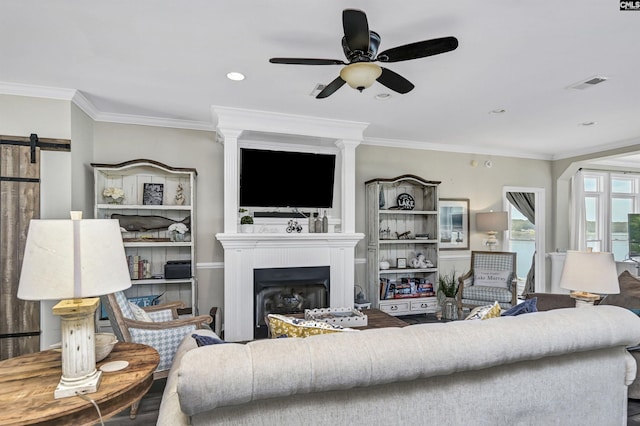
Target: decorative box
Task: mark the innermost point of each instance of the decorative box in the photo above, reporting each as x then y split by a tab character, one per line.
177	269
346	317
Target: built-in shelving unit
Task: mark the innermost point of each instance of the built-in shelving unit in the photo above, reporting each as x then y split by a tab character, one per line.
402	222
145	229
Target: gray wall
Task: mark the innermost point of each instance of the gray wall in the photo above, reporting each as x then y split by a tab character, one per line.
113	143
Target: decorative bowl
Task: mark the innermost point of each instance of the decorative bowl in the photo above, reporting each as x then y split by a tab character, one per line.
104	344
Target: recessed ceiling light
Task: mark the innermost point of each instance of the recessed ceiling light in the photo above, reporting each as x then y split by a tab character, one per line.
498	111
235	76
382	96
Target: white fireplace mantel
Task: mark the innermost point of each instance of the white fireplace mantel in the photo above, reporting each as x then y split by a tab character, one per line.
245	252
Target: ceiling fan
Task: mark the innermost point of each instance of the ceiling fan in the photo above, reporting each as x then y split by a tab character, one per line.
361	47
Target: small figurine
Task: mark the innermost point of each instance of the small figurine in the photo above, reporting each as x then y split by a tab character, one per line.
421	262
179	199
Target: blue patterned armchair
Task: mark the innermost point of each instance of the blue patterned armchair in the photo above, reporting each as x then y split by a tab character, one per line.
492	278
158	326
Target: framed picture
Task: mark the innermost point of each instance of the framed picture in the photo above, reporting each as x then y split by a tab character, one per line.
454	223
401	263
152	195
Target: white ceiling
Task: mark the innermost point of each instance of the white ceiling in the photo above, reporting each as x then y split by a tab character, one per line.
168	59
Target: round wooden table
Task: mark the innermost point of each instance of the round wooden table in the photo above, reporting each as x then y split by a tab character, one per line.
27	384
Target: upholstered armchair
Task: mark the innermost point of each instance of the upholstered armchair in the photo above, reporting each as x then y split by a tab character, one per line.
492	278
155	326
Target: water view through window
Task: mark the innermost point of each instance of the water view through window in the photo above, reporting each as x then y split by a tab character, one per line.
522	237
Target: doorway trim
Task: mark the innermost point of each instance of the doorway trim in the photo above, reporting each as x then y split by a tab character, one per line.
540	281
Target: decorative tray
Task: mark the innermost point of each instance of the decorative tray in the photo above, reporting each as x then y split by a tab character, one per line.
346	317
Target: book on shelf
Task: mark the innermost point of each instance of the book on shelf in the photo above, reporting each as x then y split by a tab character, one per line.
139	268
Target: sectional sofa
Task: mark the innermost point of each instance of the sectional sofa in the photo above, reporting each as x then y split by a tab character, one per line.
561	367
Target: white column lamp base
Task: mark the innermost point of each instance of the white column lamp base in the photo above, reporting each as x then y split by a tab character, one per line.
79	374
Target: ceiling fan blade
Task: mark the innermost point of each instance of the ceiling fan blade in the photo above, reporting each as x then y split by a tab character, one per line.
419	49
306	61
395	81
331	87
356	29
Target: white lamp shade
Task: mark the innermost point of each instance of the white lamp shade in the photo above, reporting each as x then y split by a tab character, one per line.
492	221
593	272
53	270
360	75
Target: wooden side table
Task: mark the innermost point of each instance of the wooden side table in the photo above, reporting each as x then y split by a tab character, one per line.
27	384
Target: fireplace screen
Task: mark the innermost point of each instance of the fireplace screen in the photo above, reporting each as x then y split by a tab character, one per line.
287	291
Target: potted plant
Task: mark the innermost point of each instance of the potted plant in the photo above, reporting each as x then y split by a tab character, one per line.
447	289
246	223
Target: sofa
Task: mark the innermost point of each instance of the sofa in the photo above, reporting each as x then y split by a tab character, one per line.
560	367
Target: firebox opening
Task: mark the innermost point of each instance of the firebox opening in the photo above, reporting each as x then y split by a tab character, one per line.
286	291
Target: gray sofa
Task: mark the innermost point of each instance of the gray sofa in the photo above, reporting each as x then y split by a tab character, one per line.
561	367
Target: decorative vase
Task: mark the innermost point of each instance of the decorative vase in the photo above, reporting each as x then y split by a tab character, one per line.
246	228
177	237
449	308
114	200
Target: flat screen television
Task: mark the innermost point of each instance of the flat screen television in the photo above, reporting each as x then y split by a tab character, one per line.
633	223
286	179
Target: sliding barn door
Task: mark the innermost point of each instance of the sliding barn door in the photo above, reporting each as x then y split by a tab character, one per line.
19	203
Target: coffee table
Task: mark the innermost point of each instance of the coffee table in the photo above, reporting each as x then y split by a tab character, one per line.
27	383
375	319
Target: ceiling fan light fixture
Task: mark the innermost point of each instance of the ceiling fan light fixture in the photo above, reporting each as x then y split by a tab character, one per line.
360	75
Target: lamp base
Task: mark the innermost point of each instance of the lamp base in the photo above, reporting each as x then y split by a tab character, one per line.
88	384
79	374
584	299
492	241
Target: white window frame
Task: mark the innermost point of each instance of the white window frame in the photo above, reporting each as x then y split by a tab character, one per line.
604	195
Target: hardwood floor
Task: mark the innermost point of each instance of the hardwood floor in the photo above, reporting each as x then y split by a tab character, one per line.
147	412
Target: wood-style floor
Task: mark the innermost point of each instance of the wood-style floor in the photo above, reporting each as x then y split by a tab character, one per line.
147	412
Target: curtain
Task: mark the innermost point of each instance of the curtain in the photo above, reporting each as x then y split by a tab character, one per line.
525	203
578	220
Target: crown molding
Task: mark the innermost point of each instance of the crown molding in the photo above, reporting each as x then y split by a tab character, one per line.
82	102
601	149
142	120
463	149
291	124
29	90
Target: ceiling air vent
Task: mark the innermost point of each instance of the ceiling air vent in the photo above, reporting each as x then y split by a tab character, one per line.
585	84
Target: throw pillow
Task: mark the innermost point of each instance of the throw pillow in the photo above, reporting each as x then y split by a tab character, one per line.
139	313
525	307
485	312
629	296
281	326
206	340
490	278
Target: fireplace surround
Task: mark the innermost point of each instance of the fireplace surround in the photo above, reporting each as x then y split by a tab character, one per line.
243	253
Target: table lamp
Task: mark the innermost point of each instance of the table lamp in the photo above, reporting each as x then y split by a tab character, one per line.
76	260
589	274
492	223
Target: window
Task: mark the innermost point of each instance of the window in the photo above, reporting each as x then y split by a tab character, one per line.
603	200
522	240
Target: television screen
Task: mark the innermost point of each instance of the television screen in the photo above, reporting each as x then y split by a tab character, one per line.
634	234
286	179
